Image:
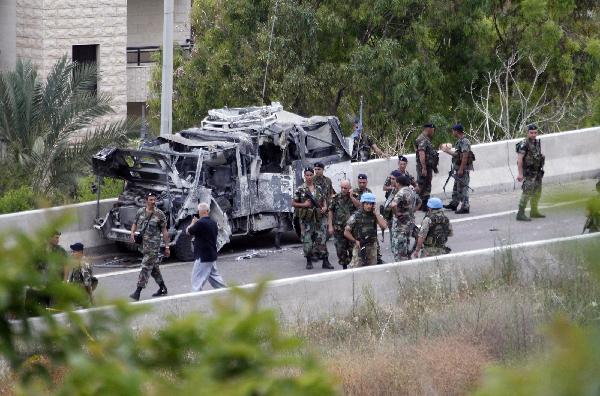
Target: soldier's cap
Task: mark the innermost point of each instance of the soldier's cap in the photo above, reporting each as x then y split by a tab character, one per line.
319	165
402	158
362	176
151	194
458	128
532	127
396	173
429	125
403	180
309	169
77	247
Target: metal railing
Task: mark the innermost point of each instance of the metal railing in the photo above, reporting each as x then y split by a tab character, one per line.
141	55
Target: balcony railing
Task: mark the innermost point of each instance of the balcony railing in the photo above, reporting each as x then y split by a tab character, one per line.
141	55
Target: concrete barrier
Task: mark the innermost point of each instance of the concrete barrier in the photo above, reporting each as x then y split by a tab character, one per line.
80	230
569	156
315	297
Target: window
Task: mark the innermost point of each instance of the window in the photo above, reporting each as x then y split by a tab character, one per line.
86	55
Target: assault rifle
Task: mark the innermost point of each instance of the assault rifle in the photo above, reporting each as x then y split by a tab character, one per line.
451	174
588	224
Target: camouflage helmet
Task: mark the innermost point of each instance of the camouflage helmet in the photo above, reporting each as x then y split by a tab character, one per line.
368	198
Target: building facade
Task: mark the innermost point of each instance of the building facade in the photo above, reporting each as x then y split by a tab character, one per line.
118	35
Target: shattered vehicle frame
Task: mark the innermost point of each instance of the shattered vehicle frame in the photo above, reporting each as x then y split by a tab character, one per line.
244	162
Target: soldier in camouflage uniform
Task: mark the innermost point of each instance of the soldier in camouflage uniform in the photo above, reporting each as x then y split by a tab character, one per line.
427	161
363	144
402	164
462	164
356	196
406	202
434	232
322	181
386	208
530	162
339	212
82	274
311	216
152	223
592	222
361	230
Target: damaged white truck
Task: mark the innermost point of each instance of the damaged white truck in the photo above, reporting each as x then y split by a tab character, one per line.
245	162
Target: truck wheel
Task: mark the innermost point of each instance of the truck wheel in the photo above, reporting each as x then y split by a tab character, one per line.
183	250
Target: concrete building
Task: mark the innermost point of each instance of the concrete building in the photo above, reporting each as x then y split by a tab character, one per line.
119	35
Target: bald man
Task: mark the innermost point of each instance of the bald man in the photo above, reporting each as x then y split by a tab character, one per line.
205	231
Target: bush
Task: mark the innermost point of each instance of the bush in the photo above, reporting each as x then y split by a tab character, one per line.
109	188
17	200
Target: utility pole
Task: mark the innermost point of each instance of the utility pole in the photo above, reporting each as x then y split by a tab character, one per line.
166	96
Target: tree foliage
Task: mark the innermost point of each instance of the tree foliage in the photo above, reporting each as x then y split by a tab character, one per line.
413	61
51	128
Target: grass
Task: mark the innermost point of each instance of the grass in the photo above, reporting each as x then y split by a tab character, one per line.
438	339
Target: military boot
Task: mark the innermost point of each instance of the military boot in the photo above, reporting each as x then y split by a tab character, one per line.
344	266
162	291
451	206
309	265
521	215
462	210
136	294
327	264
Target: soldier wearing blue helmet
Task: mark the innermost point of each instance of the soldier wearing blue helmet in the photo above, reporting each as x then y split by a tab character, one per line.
361	230
434	232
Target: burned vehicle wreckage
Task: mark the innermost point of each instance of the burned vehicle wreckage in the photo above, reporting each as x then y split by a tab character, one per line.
244	162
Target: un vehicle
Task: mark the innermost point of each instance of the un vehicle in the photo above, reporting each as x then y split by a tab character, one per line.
244	162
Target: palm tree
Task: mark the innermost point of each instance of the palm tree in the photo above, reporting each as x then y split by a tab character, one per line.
52	128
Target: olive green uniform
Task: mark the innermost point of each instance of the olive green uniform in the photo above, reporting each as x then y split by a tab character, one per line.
533	172
151	225
436	229
407	200
357	193
342	208
423	143
361	148
363	227
460	190
313	238
327	188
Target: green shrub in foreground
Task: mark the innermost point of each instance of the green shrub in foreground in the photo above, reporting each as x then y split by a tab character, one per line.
16	200
237	350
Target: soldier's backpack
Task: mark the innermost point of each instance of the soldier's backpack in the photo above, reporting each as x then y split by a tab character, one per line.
438	230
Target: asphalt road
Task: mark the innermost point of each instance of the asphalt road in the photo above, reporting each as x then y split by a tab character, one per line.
490	223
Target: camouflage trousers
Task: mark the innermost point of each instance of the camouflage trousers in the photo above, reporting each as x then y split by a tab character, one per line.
400	243
313	240
460	191
150	267
532	189
369	256
343	246
424	183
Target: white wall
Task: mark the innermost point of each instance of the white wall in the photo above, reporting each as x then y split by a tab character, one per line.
8	34
145	22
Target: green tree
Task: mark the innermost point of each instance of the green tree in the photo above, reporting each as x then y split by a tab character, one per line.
413	61
51	128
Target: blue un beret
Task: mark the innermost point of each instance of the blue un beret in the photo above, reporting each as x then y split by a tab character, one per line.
396	173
